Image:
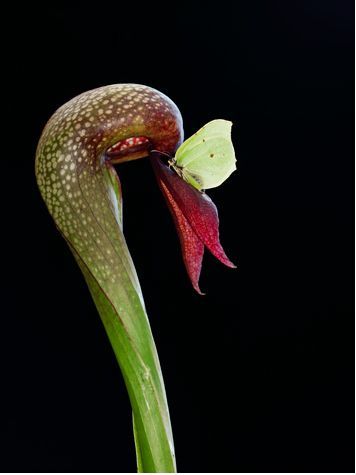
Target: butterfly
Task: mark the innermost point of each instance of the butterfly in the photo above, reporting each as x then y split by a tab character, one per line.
207	158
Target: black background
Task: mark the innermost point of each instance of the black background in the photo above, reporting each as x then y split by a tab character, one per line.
259	372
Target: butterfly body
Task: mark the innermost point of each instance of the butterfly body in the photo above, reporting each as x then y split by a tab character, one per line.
189	177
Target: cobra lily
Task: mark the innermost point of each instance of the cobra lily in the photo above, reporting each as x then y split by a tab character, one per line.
195	217
74	169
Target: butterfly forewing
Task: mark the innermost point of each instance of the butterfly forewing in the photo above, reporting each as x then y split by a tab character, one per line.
208	158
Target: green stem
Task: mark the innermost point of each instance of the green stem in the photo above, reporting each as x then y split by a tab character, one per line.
141	370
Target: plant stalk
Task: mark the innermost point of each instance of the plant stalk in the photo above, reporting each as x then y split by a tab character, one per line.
139	364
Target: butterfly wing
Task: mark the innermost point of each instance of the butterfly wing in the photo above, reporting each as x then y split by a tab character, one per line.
207	158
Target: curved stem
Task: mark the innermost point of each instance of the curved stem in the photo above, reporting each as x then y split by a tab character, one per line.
83	194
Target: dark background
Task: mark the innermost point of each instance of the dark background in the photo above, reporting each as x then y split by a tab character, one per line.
259	372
